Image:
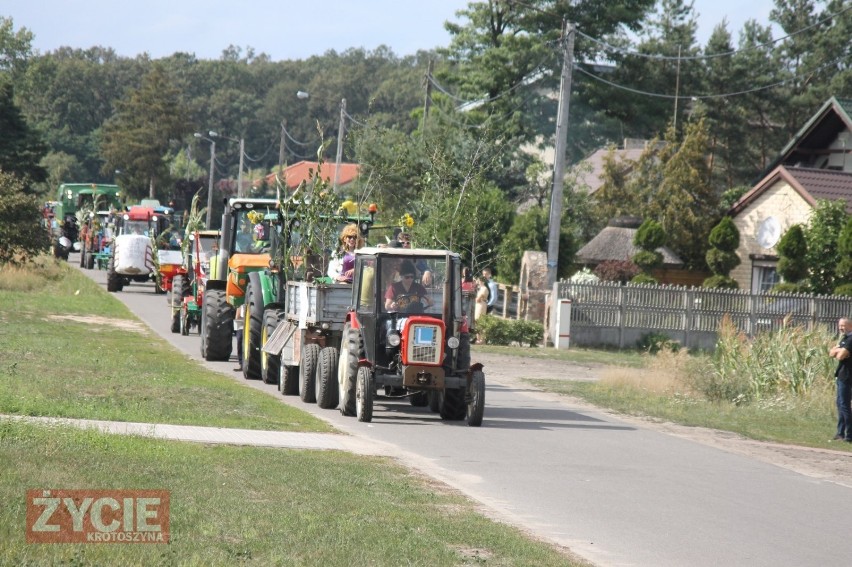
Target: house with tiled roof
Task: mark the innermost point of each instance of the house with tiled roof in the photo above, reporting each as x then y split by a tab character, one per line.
301	171
815	165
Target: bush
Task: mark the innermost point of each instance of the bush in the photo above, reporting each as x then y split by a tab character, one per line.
652	343
504	332
22	237
721	262
789	287
616	270
845	289
791	362
648	260
643	278
720	282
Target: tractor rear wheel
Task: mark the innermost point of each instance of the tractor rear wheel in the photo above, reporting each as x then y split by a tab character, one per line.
252	325
269	363
347	368
476	399
326	378
113	279
217	326
308	372
364	395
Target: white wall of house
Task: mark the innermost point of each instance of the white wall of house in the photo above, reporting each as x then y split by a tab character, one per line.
788	207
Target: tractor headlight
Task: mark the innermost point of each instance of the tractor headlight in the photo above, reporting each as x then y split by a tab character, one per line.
393	339
453	342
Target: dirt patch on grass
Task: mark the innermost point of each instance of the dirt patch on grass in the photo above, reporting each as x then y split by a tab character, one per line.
123	324
825	464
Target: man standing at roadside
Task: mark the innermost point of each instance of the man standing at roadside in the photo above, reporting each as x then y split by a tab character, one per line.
843	376
492	289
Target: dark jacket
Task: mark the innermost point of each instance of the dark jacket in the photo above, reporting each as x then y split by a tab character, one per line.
844	367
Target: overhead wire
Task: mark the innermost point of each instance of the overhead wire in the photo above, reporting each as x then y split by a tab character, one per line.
632	53
701	97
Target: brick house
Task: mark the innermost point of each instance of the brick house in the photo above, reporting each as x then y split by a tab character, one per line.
815	165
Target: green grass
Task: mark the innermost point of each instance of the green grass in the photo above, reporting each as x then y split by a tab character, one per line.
629	358
807	420
72	350
253	506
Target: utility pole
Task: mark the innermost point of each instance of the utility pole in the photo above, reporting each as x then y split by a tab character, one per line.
555	223
210	186
340	133
677	91
281	150
427	103
240	192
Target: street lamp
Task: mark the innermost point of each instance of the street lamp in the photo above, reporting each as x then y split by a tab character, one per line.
242	153
210	180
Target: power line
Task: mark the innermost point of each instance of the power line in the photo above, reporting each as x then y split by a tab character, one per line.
701	97
266	153
350	117
712	55
295	141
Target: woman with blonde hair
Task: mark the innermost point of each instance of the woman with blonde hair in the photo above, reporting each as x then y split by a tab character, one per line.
342	265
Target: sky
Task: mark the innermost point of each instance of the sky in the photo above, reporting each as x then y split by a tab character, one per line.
283	29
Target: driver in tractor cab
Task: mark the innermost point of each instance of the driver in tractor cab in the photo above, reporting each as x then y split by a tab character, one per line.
402	294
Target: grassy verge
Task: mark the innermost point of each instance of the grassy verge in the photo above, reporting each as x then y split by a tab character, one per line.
285	508
629	358
71	350
662	390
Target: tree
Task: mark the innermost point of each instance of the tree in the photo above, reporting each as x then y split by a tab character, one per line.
136	140
15	47
792	250
844	264
722	256
821	234
649	237
684	201
21	148
529	232
21	234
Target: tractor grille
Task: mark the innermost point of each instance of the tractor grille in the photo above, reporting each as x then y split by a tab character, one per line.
424	344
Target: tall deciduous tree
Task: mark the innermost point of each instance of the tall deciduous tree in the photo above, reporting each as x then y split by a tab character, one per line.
21	235
821	234
136	140
21	148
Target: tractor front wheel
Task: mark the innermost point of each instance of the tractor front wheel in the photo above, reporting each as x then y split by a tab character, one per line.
476	399
252	325
347	369
364	395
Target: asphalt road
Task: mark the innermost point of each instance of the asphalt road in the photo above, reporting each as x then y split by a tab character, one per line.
614	493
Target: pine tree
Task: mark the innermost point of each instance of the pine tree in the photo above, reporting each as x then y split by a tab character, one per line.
722	256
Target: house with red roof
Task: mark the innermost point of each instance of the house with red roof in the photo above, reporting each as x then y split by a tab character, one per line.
301	171
815	165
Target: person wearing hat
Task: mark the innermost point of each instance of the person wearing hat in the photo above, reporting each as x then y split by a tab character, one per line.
406	291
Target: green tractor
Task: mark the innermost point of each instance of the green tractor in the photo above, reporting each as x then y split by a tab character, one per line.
244	244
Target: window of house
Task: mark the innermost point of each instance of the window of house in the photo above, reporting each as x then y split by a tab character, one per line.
763	277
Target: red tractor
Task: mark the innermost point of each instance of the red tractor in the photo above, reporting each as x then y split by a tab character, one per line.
406	334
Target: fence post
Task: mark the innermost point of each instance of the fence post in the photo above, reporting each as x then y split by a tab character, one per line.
622	309
689	297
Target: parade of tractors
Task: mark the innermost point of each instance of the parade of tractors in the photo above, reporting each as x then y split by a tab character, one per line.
308	299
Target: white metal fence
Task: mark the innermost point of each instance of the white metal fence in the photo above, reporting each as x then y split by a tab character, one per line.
609	314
